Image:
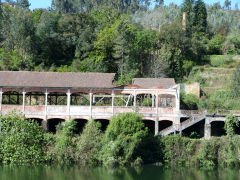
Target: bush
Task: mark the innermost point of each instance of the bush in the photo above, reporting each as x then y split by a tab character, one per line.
122	140
189	101
231	123
89	144
63	151
214	46
22	141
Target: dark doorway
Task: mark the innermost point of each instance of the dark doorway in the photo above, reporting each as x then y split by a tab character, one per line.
80	125
164	124
217	128
150	125
104	123
52	123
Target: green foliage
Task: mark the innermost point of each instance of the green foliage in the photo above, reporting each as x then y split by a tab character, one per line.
231	123
188	101
63	151
208	154
215	44
89	144
122	139
22	141
224	61
178	151
200	16
235	85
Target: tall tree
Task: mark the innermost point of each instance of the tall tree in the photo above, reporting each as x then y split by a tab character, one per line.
200	16
159	3
188	9
227	4
23	3
126	6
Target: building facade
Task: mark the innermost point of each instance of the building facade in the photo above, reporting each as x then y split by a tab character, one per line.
51	97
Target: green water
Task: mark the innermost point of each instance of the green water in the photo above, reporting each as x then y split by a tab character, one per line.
141	173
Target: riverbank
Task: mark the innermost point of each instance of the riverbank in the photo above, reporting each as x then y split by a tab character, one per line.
126	142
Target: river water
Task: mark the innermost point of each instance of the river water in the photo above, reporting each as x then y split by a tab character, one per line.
147	172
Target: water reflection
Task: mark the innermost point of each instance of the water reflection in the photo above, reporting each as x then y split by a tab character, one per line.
101	173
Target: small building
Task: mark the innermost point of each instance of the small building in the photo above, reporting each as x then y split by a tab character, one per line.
52	97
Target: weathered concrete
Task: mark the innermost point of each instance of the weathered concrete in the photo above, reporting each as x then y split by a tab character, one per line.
68	111
207	128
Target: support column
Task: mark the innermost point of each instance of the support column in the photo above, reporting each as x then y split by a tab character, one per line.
178	99
1	93
90	99
152	100
23	105
157	103
113	97
68	102
207	128
44	125
46	104
156	127
177	125
135	100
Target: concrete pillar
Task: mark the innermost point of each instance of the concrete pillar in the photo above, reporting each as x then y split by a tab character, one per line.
68	102
152	100
90	99
44	125
23	105
156	127
157	103
135	100
178	99
207	128
177	125
113	102
1	93
46	104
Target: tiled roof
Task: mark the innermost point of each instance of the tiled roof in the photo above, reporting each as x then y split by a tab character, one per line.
56	79
154	82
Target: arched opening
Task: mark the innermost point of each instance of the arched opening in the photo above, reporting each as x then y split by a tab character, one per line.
35	98
217	128
150	125
104	123
102	99
80	99
145	100
12	97
80	125
123	100
52	123
57	98
164	124
195	131
38	121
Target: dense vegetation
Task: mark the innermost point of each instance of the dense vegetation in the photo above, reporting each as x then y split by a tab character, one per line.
125	37
130	39
125	142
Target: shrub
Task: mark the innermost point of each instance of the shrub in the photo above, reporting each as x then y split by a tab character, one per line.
189	101
208	154
122	140
22	141
89	144
63	151
231	123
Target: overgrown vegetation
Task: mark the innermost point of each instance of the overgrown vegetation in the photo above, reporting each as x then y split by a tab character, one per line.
128	38
21	141
125	142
